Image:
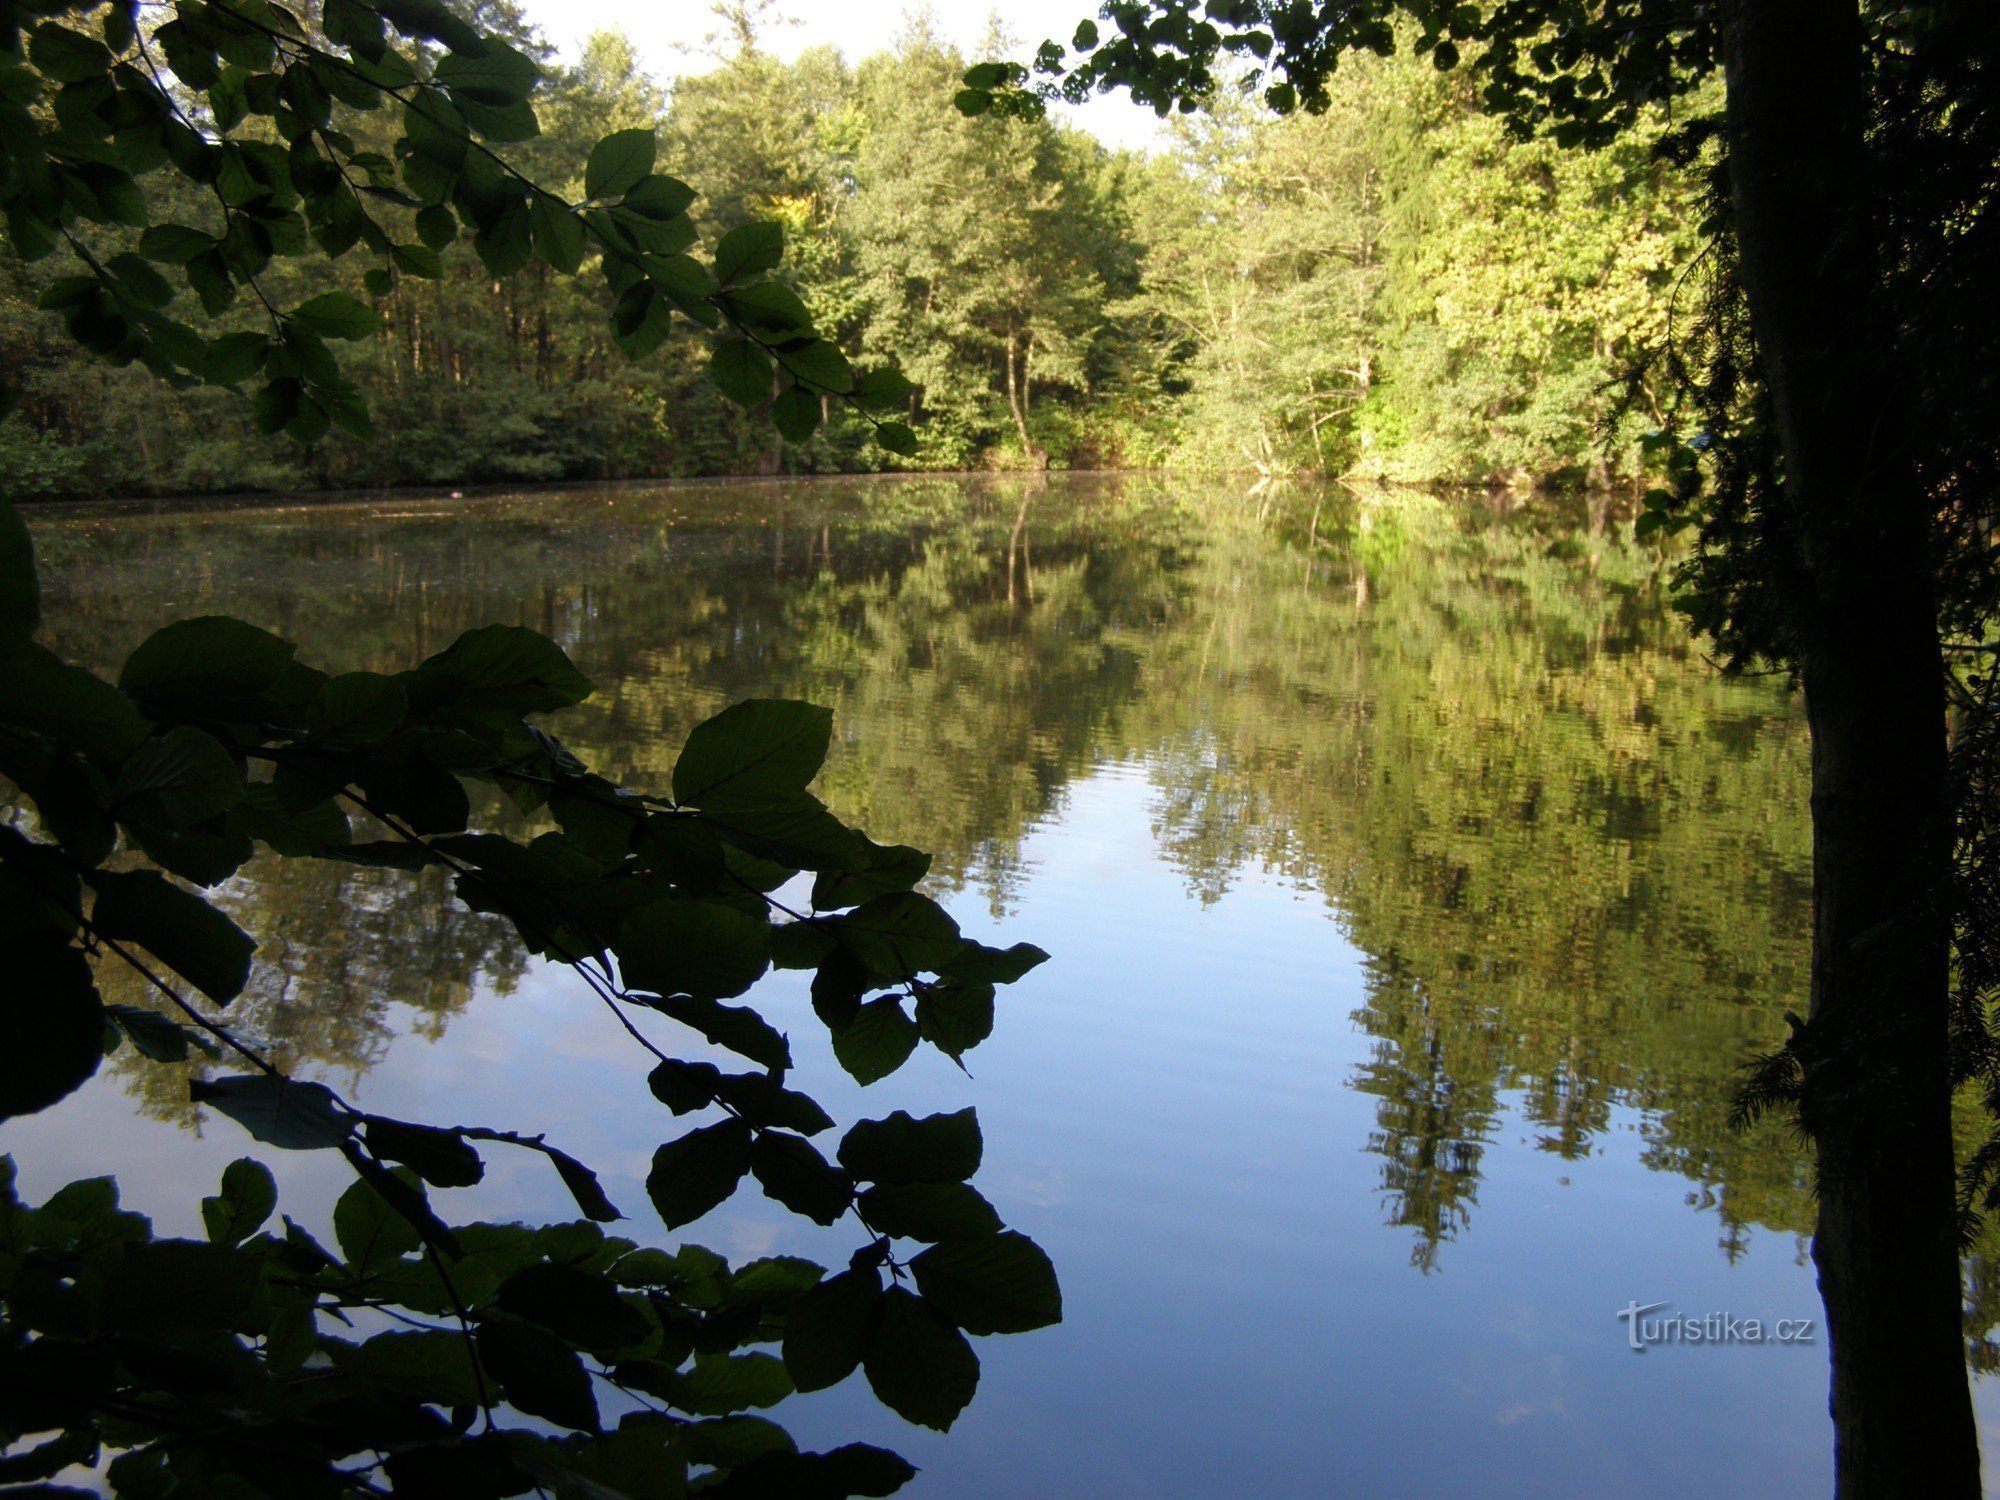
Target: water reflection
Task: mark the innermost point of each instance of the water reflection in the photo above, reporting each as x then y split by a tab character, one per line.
1573	855
1570	858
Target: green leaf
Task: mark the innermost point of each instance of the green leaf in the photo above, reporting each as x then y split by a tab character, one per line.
54	1025
700	948
741	371
192	937
20	587
443	1158
249	1196
659	198
538	1373
852	1469
156	1037
433	1366
761	750
882	390
890	870
828	1330
749	250
897	1149
694	1174
417	260
506	241
977	963
437	226
559	237
819	363
505	665
279	1112
234	357
897	438
955	1017
42	695
174	244
794	1174
896	936
1001	1284
337	315
370	1231
770	305
177	780
929	1211
357	707
918	1365
585	1309
736	1027
619	163
723	1383
877	1041
495	75
204	658
65	56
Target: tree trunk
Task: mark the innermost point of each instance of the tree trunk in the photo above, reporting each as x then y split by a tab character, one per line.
1874	1049
1017	399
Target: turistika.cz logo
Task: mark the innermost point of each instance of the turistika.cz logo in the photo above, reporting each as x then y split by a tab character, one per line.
1642	1332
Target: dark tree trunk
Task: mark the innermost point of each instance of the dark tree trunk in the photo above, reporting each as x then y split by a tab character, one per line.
1875	1046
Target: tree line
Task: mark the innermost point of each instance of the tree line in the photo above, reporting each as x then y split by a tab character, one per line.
1394	288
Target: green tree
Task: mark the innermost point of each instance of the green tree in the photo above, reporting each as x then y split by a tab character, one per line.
979	254
215	740
1846	537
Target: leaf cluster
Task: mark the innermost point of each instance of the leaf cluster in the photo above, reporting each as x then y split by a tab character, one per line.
215	742
256	106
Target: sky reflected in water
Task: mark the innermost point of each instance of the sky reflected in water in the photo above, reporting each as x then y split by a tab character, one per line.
1413	886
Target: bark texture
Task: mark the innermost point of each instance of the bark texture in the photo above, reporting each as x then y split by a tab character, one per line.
1876	1044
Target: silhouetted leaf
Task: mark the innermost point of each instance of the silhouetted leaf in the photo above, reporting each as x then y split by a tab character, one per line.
699	948
1001	1284
193	938
937	1148
249	1196
877	1041
20	588
929	1211
918	1365
582	1308
207	657
441	1157
757	751
538	1373
280	1112
51	1023
827	1331
736	1027
692	1175
796	1175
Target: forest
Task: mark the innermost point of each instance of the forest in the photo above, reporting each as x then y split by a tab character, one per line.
1394	289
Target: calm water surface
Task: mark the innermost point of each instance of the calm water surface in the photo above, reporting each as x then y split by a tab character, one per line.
1414	890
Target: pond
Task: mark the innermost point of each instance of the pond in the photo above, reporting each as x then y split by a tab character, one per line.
1415	891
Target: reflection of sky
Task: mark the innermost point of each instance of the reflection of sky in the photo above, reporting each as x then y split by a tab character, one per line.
1165	1111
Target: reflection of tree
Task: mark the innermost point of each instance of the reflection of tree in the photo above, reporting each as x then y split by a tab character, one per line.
340	947
1573	852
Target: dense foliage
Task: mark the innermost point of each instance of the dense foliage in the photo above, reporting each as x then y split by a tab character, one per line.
425	1357
1375	289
